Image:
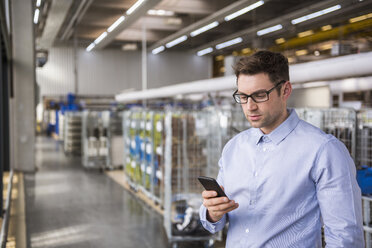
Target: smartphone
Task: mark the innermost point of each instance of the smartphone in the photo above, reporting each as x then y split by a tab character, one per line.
211	184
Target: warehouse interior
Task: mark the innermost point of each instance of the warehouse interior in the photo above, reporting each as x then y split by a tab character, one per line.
111	109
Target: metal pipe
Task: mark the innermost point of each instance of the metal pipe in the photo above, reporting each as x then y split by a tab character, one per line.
5	224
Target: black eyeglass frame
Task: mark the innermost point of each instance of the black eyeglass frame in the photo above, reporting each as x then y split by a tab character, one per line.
252	95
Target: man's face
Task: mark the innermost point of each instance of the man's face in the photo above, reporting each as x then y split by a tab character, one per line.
265	115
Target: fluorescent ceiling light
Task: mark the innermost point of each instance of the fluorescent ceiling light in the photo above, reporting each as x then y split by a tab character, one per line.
326	27
116	23
243	11
203	29
205	51
36	16
129	47
280	41
176	41
100	38
246	50
326	46
173	21
301	52
315	14
305	33
134	7
158	50
160	12
38	3
220	58
90	47
229	43
360	18
269	30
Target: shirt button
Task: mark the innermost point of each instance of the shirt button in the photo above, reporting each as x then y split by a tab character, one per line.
256	174
247	230
265	149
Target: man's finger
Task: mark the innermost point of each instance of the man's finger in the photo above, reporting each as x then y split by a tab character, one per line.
221	207
222	212
209	194
215	201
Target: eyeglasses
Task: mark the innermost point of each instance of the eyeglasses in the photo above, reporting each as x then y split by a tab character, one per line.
259	96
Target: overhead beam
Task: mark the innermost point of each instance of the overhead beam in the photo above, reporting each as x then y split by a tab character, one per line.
217	16
355	65
129	20
56	17
83	6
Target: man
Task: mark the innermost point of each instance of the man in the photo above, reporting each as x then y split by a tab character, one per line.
284	178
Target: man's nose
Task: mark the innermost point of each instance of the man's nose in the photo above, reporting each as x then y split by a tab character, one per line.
251	105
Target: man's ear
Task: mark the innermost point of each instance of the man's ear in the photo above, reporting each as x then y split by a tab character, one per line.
287	90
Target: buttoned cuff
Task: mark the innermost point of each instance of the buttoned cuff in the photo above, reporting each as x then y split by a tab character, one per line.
210	226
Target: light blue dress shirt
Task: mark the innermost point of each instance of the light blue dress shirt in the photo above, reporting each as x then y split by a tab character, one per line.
286	183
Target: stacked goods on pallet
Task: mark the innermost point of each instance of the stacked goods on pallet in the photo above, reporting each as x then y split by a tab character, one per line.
158	155
136	153
147	148
128	136
72	133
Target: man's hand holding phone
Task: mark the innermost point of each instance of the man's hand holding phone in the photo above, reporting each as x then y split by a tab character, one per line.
215	200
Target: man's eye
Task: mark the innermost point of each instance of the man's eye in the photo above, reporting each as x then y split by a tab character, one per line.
243	97
259	95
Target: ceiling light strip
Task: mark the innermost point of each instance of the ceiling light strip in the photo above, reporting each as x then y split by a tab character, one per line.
229	43
243	11
176	41
100	38
38	3
160	12
36	16
305	33
90	47
315	14
360	18
269	30
203	29
116	24
205	51
134	7
158	50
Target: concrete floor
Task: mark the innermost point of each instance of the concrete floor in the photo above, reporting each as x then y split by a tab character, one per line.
68	206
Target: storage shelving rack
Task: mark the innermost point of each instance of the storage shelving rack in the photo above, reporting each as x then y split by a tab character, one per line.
94	139
72	132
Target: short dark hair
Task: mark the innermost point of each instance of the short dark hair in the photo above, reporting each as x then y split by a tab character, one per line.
275	65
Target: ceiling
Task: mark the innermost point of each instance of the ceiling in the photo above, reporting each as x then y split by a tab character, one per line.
83	21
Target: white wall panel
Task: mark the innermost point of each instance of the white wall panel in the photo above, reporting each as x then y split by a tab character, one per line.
310	97
57	75
106	72
109	72
169	68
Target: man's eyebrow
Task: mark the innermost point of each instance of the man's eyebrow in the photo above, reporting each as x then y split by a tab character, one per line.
257	91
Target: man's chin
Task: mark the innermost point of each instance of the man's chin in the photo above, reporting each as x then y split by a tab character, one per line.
255	124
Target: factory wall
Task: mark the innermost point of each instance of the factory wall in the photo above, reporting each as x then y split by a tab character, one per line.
316	97
109	72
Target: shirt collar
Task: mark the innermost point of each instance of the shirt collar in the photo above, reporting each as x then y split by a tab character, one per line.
282	131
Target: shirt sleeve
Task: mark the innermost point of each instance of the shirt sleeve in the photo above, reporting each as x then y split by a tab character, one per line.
339	196
219	225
